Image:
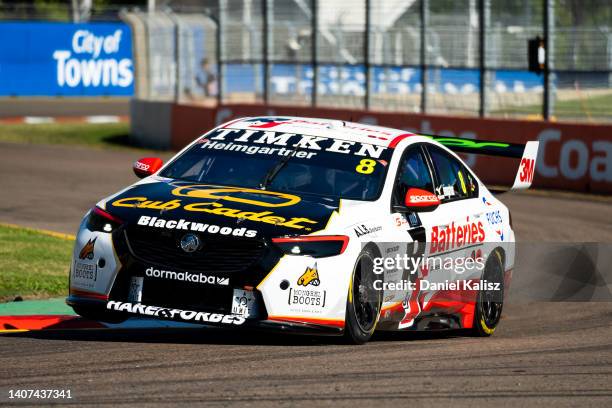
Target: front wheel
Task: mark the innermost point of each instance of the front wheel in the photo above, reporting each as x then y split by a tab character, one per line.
364	301
490	300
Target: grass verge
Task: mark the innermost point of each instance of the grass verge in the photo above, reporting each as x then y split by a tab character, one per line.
85	134
32	264
593	108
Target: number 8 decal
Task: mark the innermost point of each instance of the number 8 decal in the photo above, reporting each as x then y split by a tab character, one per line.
366	166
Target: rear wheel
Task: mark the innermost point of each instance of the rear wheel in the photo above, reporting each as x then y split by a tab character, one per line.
364	301
490	300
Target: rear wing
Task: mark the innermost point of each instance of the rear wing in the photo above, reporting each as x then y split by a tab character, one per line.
526	152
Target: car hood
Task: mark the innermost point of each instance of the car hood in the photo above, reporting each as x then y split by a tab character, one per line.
222	210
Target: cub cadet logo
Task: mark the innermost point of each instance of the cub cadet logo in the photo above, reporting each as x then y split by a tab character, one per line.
178	314
363	230
187	277
87	252
204	191
310	277
216	194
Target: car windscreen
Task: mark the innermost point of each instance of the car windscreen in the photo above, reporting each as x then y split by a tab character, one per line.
288	162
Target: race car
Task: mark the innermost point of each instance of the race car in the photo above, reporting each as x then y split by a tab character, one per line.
304	225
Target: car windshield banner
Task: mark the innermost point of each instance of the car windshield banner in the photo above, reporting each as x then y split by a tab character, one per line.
64	59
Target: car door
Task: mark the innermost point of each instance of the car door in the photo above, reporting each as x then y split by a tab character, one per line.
414	171
457	233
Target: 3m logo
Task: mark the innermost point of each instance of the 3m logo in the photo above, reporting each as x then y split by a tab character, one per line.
527	170
310	277
87	252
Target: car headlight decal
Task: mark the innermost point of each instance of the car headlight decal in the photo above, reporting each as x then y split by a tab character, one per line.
102	221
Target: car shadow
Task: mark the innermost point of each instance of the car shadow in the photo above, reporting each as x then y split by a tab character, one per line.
217	336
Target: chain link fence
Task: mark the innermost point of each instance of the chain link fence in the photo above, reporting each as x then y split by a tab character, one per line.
459	57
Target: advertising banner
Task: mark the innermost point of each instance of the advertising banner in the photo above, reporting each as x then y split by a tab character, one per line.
65	59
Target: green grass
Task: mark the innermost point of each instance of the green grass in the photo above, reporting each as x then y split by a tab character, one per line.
32	264
86	134
596	107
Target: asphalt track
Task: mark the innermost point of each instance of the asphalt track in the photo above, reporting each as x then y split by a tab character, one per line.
542	353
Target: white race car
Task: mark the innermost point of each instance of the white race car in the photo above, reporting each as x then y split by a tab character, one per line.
300	224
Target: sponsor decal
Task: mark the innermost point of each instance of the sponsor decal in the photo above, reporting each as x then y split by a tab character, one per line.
85	273
244	303
87	252
176	314
195	226
94	61
414	220
247	140
310	277
456	236
494	217
187	277
216	194
270	122
263	123
466	143
305	300
141	166
225	193
527	170
421	198
307	297
362	230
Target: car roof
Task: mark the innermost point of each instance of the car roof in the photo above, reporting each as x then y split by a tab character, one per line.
330	128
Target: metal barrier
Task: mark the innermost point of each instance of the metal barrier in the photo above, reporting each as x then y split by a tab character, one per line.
459	57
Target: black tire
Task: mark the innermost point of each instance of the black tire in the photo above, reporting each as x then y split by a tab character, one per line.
364	302
99	314
490	303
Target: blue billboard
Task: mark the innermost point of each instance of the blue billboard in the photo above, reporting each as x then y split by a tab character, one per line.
65	59
288	79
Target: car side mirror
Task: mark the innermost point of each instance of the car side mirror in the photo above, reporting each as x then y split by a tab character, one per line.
147	166
418	200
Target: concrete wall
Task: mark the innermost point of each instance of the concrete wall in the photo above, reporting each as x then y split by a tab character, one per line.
151	124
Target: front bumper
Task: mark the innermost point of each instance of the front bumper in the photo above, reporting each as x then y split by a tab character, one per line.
163	313
282	302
